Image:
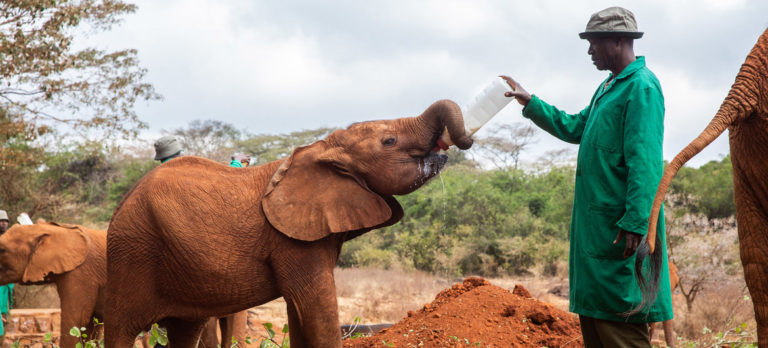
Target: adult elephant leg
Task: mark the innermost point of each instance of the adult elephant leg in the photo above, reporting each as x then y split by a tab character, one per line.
752	240
184	333
751	197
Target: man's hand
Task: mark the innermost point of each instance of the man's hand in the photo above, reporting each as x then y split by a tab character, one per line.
520	94
633	241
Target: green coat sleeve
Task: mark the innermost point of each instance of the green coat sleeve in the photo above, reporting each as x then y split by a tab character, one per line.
643	137
564	126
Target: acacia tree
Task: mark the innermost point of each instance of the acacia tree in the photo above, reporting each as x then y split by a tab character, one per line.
48	84
208	138
503	146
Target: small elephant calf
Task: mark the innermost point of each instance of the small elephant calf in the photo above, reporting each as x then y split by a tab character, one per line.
74	258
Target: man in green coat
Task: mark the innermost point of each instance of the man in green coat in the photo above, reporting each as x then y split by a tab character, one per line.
618	169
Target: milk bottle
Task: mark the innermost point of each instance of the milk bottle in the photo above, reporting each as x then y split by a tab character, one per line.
485	105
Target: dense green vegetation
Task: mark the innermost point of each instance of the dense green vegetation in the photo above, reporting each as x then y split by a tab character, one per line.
469	220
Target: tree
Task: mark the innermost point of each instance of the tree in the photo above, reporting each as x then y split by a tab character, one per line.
264	148
46	81
47	84
210	138
505	143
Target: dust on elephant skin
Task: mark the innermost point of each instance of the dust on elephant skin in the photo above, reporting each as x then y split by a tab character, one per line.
195	239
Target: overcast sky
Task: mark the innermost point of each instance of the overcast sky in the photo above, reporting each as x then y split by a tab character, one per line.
282	66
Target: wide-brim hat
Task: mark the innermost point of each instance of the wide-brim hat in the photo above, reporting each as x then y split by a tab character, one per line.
612	22
165	147
4	216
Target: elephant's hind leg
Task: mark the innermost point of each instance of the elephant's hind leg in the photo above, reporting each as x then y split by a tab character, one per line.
756	276
753	238
184	333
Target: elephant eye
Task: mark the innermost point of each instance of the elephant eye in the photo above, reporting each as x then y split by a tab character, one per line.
389	141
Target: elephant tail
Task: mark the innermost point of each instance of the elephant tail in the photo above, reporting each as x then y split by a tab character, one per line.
649	284
648	279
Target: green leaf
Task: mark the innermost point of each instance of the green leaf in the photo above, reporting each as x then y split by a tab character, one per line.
163	340
285	329
152	341
48	337
74	331
79	345
270	332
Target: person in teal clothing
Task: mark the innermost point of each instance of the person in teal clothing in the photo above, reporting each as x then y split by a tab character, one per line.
618	168
6	291
240	160
6	303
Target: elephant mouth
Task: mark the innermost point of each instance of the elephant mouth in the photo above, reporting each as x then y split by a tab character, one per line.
432	164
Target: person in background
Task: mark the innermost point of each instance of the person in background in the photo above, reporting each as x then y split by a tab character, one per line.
4	222
6	291
240	160
619	166
167	148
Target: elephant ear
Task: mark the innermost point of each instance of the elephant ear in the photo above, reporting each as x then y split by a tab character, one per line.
314	194
56	249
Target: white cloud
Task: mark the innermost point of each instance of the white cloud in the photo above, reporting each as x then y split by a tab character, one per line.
278	67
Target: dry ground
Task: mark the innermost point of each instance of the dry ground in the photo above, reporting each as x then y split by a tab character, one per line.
385	296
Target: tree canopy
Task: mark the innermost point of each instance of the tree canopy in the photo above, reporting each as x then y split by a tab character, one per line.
47	82
50	84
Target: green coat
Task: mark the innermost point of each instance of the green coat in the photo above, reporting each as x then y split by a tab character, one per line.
6	302
618	169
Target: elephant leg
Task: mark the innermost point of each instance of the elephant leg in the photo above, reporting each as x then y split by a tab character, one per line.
209	338
183	333
118	336
234	326
756	276
75	313
653	333
313	317
669	334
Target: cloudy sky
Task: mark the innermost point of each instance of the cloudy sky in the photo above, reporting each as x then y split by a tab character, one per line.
284	66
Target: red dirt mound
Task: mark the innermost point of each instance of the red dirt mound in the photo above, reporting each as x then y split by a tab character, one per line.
476	313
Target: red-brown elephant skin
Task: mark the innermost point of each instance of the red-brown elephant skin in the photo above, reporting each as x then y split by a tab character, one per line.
745	114
195	238
233	326
71	256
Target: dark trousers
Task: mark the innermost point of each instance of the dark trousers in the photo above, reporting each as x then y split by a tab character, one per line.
599	333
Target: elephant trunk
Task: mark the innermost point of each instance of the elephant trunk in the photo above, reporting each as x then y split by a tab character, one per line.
741	102
441	115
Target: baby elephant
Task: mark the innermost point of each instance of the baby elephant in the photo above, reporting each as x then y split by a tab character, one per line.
74	258
70	256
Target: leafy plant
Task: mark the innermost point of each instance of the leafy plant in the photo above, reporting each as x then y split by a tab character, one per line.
83	340
269	340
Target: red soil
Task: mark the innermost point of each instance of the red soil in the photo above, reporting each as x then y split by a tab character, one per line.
476	313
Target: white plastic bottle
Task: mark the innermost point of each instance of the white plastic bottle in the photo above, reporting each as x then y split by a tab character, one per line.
479	111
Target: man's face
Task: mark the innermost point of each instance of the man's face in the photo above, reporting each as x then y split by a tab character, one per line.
604	52
3	226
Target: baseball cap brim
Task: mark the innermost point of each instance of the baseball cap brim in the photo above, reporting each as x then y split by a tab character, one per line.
597	34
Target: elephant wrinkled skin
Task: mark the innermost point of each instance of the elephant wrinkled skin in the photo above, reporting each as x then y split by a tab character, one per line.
744	112
195	239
